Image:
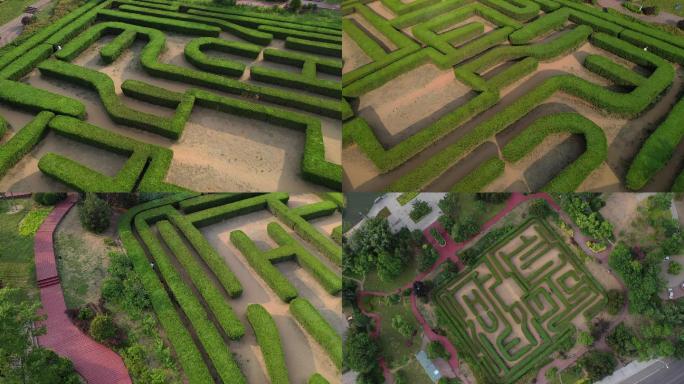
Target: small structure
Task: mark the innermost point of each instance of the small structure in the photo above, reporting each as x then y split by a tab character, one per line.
429	367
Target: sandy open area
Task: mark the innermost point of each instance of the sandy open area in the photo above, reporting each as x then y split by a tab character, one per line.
217	152
353	56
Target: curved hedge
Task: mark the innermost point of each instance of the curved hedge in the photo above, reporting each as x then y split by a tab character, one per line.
23	141
269	342
194	53
315	325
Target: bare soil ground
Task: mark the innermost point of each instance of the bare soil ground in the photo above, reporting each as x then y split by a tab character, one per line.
354	56
217	152
302	354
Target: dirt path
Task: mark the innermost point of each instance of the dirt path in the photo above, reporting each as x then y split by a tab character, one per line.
13	28
660	18
92	360
449	252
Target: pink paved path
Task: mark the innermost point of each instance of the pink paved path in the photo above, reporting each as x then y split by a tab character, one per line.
448	252
95	362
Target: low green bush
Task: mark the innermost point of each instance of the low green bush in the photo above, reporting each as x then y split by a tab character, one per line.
49	198
95	213
657	150
263	266
269	342
23	141
186	351
330	280
213	297
321	48
315	325
102	328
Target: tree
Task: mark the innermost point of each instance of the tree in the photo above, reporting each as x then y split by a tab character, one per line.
435	350
294	5
349	288
20	361
597	364
428	256
367	242
389	266
622	340
616	300
674	268
402	326
49	198
102	328
540	208
450	204
419	210
585	338
95	213
465	228
361	352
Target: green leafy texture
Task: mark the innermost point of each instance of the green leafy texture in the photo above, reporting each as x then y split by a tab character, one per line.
194	53
217	303
315	325
31	222
269	342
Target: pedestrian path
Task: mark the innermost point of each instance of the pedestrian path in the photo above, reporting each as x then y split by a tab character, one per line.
96	363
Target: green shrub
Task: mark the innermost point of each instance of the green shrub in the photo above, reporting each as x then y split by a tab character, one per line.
269	341
179	26
194	53
674	268
49	198
315	325
102	328
316	378
317	47
263	266
94	213
419	210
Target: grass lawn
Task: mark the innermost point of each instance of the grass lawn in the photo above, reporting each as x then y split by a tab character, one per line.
82	261
395	347
571	374
373	283
405	197
415	373
469	205
16	253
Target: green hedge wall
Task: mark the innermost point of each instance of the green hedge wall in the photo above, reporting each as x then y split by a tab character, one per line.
315	325
269	341
219	306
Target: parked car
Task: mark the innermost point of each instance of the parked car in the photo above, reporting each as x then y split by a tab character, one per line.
670	293
667	258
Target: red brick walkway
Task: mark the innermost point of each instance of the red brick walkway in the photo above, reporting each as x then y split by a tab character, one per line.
95	362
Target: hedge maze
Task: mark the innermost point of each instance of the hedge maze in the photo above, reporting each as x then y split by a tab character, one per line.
197	295
279	71
513	61
509	313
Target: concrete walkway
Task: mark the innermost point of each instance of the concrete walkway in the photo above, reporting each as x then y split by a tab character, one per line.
95	362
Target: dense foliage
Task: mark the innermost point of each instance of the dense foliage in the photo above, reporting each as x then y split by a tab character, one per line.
94	213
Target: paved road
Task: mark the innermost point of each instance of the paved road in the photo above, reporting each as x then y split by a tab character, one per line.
658	374
13	28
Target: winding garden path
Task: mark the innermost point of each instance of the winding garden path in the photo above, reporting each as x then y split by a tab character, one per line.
449	252
95	362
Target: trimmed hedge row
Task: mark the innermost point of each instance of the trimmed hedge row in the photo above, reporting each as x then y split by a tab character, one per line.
518	9
305	230
536	28
263	266
25	64
185	349
117	110
28	98
285	33
194	53
573	175
330	280
219	306
110	52
153	160
657	150
143	91
23	141
322	64
238	208
328	49
612	71
163	23
315	210
210	200
621	104
251	35
269	342
298	81
482	176
660	48
337	234
199	243
206	332
315	325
